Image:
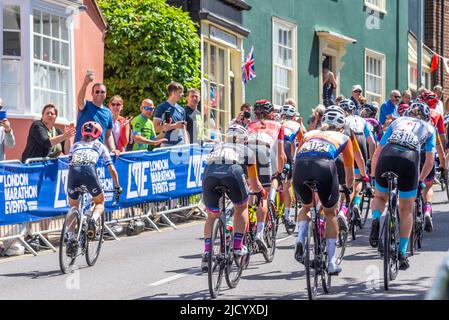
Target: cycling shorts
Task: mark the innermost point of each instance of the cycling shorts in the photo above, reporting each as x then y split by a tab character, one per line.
322	170
403	162
431	176
264	166
230	176
83	176
340	170
288	153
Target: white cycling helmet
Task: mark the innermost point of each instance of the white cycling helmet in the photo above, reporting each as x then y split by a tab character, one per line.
288	110
236	133
334	116
348	106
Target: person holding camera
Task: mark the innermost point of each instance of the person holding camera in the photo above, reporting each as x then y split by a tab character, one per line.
244	117
6	134
170	112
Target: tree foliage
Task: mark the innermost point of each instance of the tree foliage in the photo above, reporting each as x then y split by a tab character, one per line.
148	44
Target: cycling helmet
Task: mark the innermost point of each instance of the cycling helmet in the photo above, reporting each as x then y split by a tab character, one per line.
236	133
347	105
419	110
288	110
334	116
431	99
263	106
91	129
370	110
402	108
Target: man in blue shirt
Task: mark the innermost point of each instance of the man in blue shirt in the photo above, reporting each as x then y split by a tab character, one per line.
172	113
95	111
388	108
356	94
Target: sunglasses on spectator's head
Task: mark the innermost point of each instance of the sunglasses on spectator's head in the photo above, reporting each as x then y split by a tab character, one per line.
146	108
100	91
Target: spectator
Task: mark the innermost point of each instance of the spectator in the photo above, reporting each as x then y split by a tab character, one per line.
6	135
388	108
143	133
244	116
439	92
172	113
44	139
120	130
329	86
406	97
363	101
339	99
314	121
95	111
292	102
356	94
195	123
422	90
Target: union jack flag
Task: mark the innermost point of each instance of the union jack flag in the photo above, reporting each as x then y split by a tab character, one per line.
248	67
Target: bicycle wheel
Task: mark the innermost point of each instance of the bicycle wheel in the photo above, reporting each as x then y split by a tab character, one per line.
413	233
311	247
269	231
93	246
216	258
352	222
445	182
386	249
325	276
234	266
341	245
68	249
366	211
394	247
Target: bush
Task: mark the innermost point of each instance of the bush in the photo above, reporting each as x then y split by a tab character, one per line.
148	44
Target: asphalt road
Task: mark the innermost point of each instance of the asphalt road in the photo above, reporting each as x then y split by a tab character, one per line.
166	265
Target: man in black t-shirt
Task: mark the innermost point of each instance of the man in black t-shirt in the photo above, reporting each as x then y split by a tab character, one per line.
195	123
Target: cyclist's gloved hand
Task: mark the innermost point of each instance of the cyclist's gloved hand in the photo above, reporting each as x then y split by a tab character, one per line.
365	178
287	166
118	190
422	185
263	193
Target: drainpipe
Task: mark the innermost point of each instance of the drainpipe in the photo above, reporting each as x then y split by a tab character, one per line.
420	41
442	42
397	45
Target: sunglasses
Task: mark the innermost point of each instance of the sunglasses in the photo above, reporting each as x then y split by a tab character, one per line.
100	92
116	104
358	91
397	97
146	108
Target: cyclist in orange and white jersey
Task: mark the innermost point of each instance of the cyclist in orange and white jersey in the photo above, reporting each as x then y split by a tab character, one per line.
266	139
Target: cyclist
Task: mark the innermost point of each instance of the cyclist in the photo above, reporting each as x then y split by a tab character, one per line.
83	158
292	131
369	112
227	165
398	152
437	120
315	160
364	138
266	139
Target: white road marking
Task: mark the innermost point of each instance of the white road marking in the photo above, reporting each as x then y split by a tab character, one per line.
173	278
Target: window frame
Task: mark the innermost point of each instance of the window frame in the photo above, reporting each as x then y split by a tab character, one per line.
377	56
294	68
382	8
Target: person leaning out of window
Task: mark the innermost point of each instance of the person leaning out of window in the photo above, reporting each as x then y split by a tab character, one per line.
6	134
44	139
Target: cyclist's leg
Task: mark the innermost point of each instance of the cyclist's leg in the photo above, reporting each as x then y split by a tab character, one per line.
286	187
358	184
427	194
72	184
264	171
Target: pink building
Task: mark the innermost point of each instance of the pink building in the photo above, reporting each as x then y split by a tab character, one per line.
46	47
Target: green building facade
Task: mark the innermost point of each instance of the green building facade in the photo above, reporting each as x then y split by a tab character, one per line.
362	42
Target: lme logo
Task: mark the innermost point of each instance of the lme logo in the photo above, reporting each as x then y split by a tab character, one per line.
195	171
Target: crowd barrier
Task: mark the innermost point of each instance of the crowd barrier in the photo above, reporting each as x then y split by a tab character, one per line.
158	185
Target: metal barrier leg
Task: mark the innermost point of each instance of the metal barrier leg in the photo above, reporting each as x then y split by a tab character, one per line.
167	220
111	232
26	245
153	225
47	243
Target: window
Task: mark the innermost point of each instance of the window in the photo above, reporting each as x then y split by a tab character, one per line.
51	62
413	77
11	58
374	76
378	5
284	61
214	84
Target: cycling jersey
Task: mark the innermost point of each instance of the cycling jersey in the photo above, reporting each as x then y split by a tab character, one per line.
263	138
327	144
438	121
292	130
358	125
375	127
411	133
87	153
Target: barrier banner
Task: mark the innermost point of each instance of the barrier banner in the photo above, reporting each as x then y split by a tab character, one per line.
30	192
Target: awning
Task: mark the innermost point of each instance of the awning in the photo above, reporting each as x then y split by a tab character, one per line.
335	37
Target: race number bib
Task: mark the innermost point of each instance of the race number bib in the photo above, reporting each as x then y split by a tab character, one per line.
405	138
315	146
86	157
260	137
